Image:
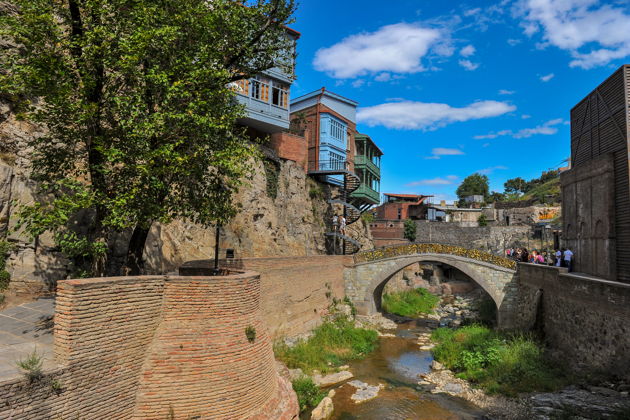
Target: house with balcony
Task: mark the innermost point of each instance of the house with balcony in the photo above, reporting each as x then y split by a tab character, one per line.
267	96
367	166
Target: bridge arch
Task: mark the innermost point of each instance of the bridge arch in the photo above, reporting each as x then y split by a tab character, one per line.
466	266
364	282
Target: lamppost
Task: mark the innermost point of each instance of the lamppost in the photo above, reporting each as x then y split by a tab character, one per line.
215	270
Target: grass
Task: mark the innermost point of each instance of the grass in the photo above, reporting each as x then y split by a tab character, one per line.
497	363
5	277
410	303
332	344
309	395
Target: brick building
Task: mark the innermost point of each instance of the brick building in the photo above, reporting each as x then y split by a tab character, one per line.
401	207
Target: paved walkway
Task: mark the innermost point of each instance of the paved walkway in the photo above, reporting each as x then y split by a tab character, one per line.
24	329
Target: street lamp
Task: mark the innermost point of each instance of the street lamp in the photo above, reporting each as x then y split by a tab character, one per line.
215	270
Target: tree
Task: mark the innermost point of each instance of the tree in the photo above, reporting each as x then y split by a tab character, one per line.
482	220
410	230
140	117
475	184
496	196
515	186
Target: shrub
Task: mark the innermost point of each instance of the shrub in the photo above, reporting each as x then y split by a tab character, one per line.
332	344
498	363
483	220
309	395
411	303
5	277
32	366
272	172
410	230
250	333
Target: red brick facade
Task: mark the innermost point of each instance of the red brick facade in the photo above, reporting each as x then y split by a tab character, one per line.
291	147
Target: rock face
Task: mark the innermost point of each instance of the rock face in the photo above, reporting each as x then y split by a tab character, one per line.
323	410
283	213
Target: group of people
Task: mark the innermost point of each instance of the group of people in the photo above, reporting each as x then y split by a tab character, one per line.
560	258
339	223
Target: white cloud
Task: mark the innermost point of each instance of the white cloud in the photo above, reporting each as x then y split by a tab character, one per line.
448	180
383	77
547	129
438	152
471	12
409	115
506	92
513	42
594	32
467	51
526	116
358	83
547	77
468	65
488	171
397	48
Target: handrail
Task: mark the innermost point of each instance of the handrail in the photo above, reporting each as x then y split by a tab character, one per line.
329	166
432	248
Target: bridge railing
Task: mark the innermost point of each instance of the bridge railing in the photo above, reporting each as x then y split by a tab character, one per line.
428	248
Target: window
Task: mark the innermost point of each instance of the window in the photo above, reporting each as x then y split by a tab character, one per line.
260	90
338	131
280	95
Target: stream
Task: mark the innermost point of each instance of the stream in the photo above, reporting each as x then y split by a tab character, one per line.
396	364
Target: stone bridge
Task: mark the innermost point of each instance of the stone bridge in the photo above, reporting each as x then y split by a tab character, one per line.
365	280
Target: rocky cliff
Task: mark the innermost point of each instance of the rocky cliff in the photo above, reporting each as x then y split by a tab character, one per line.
283	213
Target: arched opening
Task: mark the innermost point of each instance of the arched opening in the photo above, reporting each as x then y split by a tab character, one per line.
439	278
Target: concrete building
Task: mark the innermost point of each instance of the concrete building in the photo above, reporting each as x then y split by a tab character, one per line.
596	190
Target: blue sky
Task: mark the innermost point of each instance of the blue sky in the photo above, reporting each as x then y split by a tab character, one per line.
450	88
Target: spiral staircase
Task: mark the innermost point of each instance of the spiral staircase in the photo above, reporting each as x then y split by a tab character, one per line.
353	208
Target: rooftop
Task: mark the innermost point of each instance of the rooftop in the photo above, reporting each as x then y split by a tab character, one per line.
323	91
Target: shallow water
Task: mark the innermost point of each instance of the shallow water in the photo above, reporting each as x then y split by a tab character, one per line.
396	364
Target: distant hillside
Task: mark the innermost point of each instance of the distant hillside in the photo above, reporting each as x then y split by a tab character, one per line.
547	193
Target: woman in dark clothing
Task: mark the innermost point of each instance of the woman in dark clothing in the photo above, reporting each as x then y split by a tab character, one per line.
525	255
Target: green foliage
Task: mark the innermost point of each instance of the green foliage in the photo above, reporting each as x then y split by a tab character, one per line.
487	311
410	230
496	197
5	277
32	366
309	395
141	119
544	189
475	184
482	220
250	333
2	298
315	192
498	363
333	343
367	217
410	303
272	172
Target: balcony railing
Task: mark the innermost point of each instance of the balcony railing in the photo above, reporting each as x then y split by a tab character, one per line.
367	193
329	166
361	160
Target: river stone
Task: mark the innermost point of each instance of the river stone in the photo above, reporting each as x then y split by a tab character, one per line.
365	392
453	388
295	374
333	378
323	410
435	365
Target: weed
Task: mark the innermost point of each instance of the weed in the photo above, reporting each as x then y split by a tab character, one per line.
56	387
272	172
309	395
5	277
411	303
332	344
2	298
32	366
315	192
250	333
498	363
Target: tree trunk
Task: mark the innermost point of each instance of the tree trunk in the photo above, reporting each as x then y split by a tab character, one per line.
135	263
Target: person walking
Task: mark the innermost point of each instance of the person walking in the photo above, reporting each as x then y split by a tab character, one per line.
342	225
558	258
335	223
568	259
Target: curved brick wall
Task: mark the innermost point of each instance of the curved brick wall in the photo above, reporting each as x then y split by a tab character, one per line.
200	361
146	347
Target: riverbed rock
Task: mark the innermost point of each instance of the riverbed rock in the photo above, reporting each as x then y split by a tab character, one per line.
365	392
427	347
435	365
323	410
595	402
375	322
296	374
453	388
331	379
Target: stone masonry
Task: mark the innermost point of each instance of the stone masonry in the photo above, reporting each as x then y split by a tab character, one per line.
365	281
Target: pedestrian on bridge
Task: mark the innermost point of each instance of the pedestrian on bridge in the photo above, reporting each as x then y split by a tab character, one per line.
568	259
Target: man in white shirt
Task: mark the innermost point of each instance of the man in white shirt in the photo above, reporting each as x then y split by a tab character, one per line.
568	259
558	258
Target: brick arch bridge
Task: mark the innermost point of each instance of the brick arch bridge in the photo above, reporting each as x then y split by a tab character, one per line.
365	280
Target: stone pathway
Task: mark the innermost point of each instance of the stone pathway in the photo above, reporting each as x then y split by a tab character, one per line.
24	329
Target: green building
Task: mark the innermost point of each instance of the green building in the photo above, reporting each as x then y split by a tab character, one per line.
367	166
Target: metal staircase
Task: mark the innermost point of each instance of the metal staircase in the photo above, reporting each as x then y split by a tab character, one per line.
352	207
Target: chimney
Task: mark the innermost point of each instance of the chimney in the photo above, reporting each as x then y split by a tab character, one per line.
443	203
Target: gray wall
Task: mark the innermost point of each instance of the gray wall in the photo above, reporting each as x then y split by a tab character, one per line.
494	239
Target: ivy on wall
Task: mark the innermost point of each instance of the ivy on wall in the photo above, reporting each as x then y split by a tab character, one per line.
272	172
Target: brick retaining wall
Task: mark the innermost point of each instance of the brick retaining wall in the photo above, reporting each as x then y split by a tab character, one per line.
144	347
